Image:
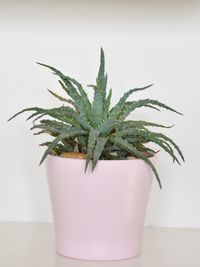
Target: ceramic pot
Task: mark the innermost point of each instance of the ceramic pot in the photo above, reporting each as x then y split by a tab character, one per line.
99	215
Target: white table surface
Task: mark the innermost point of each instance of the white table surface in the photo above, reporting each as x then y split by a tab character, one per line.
32	245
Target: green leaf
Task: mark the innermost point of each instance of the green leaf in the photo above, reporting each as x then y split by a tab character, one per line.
149	136
107	126
163	145
102	78
45	144
67	112
83	94
94	133
59	148
130	148
131	106
136	139
67	83
57	113
36	116
24	110
116	110
46	129
57	124
81	120
42	132
66	133
141	124
98	105
100	144
60	97
150	106
82	142
159	104
72	92
107	104
97	108
160	135
54	127
150	150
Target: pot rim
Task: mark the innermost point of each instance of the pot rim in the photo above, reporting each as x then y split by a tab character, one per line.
101	160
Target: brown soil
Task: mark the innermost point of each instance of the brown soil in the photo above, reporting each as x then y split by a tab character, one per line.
74	155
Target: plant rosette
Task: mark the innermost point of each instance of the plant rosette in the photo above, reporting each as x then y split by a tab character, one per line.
99	167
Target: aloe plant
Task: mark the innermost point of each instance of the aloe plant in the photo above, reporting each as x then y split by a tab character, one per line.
96	128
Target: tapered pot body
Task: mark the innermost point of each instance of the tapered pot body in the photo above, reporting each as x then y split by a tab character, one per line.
98	215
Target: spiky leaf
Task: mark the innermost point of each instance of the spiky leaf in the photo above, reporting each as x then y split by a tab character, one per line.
76	93
69	101
141	124
66	133
149	136
98	105
131	106
102	78
100	144
116	110
107	103
94	133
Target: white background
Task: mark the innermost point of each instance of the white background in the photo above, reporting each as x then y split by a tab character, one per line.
144	42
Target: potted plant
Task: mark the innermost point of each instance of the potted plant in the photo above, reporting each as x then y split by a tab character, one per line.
99	167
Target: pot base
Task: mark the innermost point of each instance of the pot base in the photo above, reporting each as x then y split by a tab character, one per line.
66	255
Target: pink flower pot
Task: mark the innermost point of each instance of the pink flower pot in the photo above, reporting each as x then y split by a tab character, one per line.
99	215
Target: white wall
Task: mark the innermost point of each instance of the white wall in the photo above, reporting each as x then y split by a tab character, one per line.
154	41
